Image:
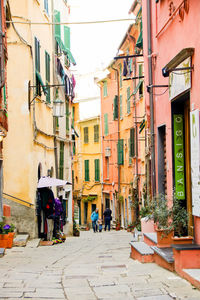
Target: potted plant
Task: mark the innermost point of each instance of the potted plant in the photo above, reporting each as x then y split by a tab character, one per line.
11	234
3	235
180	223
76	231
118	225
147	222
162	216
130	227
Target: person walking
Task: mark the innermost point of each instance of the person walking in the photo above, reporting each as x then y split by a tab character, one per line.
94	218
107	218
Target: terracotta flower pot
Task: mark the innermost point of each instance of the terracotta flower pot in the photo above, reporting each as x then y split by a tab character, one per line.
3	240
164	239
10	239
182	240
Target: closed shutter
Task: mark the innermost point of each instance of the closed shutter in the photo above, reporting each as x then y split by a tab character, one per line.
37	55
128	100
106	124
96	133
57	26
61	167
87	177
115	108
121	112
105	91
120	147
97	170
47	71
86	138
132	142
67	37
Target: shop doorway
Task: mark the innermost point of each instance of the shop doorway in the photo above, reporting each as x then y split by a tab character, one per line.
181	154
85	212
94	206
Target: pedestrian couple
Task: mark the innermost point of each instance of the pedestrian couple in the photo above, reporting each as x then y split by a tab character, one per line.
97	223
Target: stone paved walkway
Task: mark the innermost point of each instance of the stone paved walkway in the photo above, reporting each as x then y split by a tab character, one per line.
92	266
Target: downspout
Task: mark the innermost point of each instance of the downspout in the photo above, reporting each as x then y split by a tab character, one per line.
149	35
118	138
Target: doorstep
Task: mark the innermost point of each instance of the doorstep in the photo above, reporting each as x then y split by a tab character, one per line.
141	252
193	276
150	238
164	257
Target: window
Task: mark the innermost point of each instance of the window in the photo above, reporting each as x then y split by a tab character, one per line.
141	85
87	177
86	136
132	142
105	91
128	100
37	65
106	124
46	6
120	75
61	165
47	72
121	112
57	28
96	133
107	167
97	170
120	148
115	108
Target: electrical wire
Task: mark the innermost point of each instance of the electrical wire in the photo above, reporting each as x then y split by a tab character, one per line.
70	23
161	93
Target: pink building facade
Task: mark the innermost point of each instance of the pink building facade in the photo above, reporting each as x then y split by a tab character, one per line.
174	63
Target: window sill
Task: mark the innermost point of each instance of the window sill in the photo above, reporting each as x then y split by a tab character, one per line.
107	179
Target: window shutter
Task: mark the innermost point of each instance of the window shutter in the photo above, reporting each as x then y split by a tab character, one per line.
86	138
96	133
106	124
61	168
96	165
105	91
47	71
132	142
120	147
67	37
128	100
115	108
57	26
37	55
121	113
87	178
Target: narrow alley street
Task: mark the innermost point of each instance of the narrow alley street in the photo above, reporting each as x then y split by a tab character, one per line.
92	266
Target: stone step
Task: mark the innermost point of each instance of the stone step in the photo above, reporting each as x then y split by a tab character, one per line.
20	240
33	243
193	276
150	238
164	257
142	252
2	252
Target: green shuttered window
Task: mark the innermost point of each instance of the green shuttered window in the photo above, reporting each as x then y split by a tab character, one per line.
61	165
57	28
120	150
67	37
115	108
97	170
128	101
105	124
86	135
105	89
47	73
96	133
87	173
132	142
121	110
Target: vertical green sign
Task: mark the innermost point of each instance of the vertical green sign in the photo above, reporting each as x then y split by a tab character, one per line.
179	157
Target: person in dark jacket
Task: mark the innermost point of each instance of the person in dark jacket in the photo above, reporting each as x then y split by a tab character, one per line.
107	218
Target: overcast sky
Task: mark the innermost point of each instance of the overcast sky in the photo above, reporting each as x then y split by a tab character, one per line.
94	45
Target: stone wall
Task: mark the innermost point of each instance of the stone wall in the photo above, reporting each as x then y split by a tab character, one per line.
23	218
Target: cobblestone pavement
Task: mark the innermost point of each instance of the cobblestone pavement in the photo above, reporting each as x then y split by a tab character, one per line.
92	266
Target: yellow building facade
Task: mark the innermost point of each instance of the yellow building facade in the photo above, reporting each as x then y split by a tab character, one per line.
87	168
32	146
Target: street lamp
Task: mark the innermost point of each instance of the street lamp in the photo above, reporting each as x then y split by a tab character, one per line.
58	106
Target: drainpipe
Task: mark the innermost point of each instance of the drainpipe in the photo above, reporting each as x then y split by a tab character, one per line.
118	138
149	35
